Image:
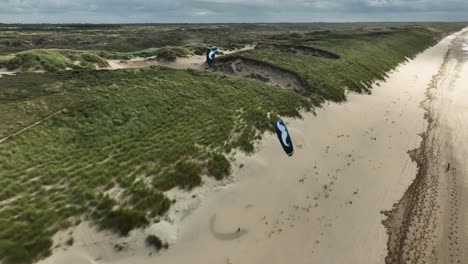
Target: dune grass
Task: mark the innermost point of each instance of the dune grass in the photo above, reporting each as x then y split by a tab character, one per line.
131	38
54	60
141	131
167	53
365	56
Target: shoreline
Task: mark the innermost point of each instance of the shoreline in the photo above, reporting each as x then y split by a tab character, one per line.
351	162
427	223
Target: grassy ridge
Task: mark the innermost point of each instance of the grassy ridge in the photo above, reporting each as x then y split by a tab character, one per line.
137	131
168	53
365	56
54	60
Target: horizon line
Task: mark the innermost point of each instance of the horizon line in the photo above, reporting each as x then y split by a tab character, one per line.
221	23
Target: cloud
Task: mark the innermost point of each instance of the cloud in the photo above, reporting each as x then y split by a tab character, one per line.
172	11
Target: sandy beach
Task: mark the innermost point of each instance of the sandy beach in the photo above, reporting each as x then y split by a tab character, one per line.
325	204
429	223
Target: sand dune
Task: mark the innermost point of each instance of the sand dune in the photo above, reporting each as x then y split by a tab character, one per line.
191	62
323	205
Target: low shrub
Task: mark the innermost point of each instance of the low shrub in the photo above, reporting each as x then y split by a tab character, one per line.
154	241
219	166
123	220
186	174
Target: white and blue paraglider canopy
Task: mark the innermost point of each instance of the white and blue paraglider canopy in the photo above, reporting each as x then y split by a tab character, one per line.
210	55
284	137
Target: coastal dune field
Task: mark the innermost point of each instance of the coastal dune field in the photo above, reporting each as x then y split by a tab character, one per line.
325	204
118	144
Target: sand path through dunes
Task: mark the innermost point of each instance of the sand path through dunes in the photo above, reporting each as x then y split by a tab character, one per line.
323	204
191	62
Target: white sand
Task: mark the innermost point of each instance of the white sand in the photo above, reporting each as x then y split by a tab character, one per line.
449	109
457	96
353	161
191	62
4	71
465	47
429	224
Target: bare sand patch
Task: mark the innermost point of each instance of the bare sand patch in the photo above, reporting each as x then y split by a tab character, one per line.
249	68
191	62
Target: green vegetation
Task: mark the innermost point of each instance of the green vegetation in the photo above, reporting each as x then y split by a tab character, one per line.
123	220
167	53
52	60
155	242
132	38
23	251
365	56
120	138
185	174
135	132
219	166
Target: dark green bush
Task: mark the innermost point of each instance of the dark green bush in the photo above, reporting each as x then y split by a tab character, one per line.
185	174
123	220
93	58
154	241
24	252
70	241
146	198
219	166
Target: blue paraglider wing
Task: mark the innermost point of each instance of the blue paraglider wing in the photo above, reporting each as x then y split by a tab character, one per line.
210	55
284	137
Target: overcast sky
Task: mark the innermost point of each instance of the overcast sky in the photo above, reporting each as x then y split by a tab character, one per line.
206	11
